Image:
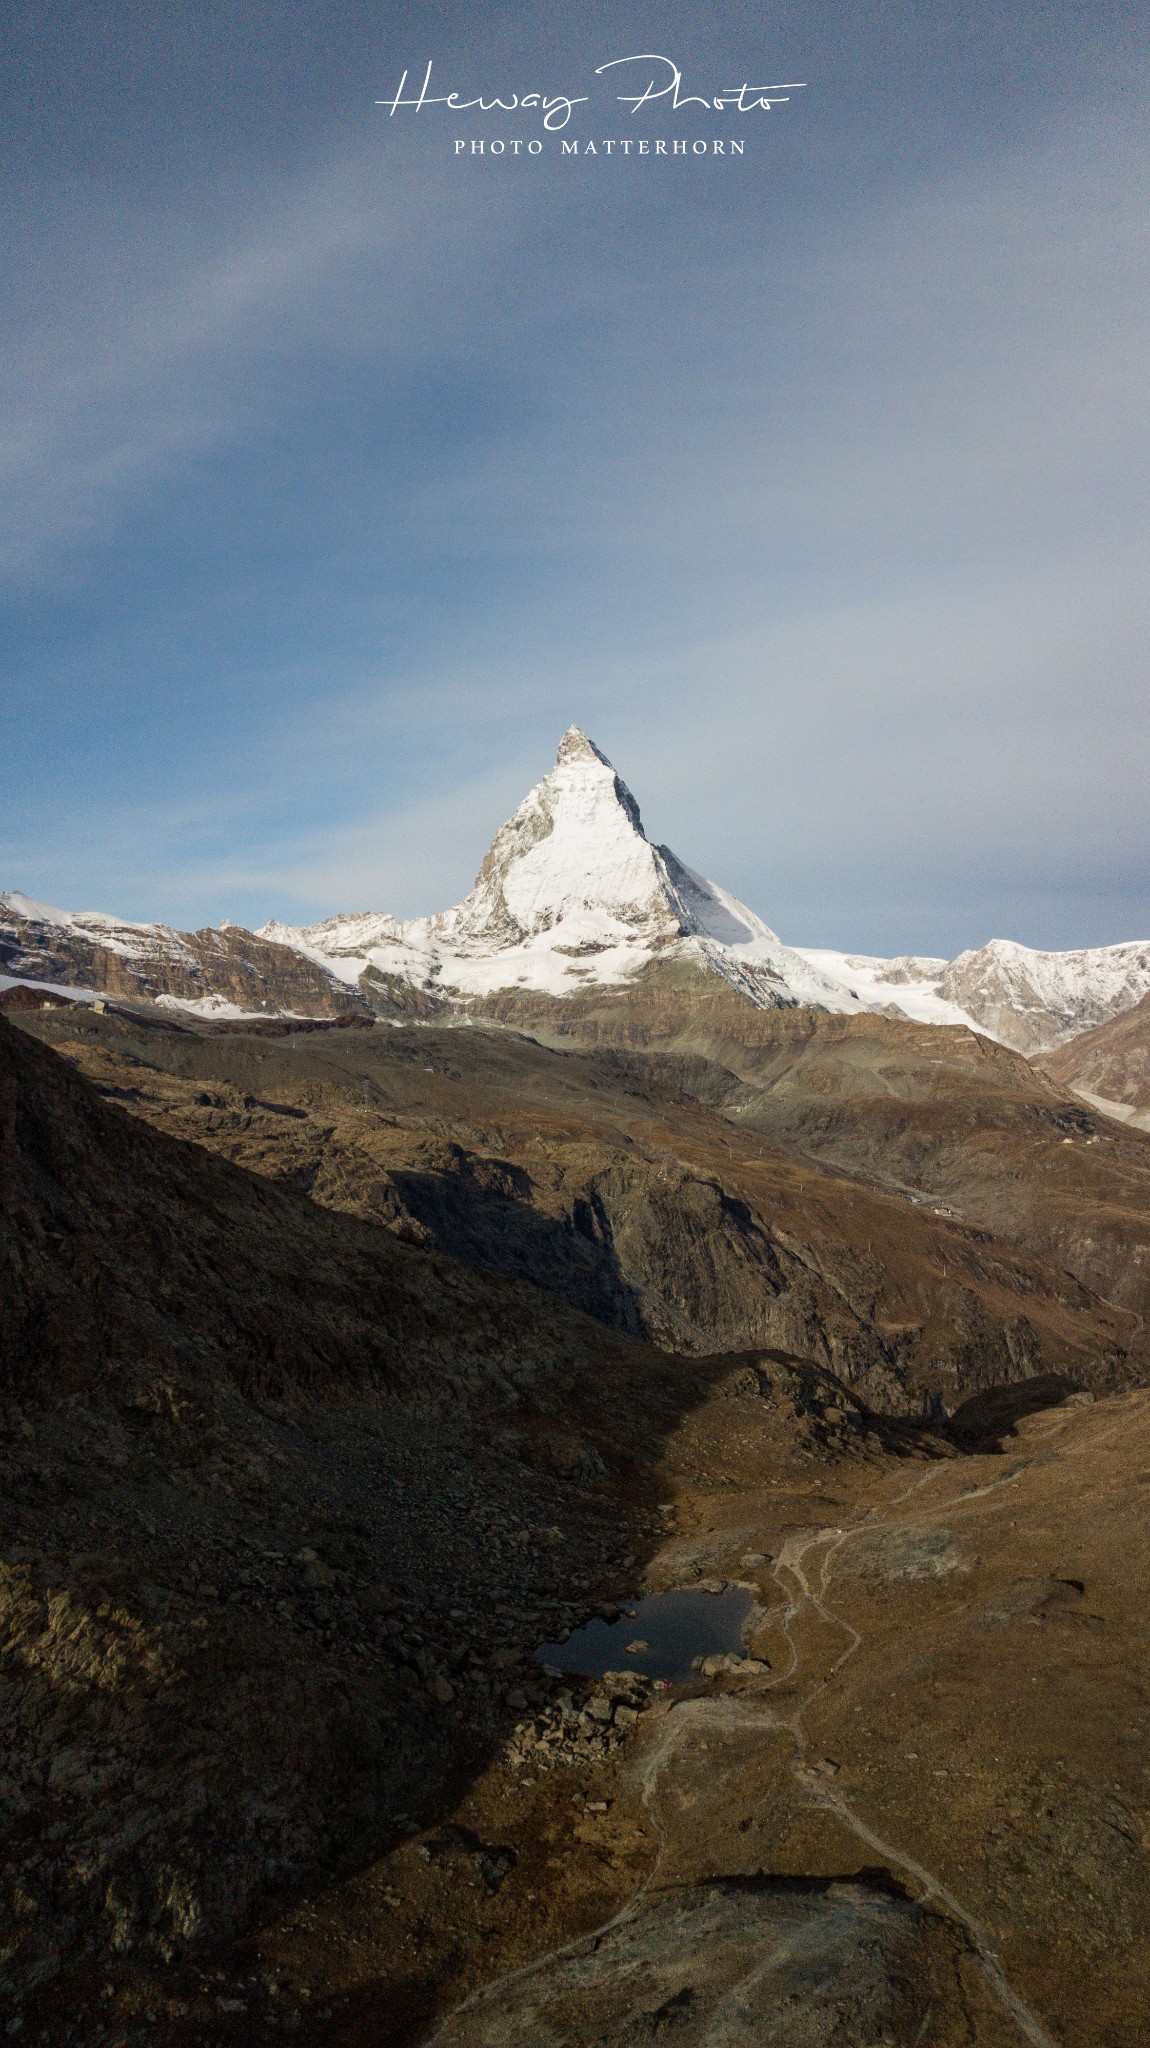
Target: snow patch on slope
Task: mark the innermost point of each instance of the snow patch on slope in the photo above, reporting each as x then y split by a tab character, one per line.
214	1007
910	984
114	934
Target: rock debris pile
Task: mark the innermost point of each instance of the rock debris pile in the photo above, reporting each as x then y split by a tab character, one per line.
584	1728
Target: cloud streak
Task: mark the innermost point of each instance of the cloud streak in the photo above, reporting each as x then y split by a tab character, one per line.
818	502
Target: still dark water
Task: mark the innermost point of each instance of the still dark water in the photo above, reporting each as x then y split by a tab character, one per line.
675	1627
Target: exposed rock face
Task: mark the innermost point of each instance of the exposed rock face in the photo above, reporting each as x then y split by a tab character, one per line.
762	1959
1109	1065
1034	1001
618	1185
218	972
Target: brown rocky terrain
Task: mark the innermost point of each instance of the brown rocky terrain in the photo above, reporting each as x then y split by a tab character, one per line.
942	1118
342	1366
928	1764
1109	1066
917	1814
605	1179
219	965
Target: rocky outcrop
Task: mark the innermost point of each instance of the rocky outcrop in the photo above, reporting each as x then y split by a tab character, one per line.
799	1965
218	971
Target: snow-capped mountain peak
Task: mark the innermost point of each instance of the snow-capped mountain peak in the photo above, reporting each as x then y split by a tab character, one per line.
573	855
572	892
575	746
571	895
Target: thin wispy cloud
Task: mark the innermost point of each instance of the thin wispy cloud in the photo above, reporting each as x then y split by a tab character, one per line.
337	490
152	372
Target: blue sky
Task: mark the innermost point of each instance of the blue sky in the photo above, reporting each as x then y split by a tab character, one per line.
341	474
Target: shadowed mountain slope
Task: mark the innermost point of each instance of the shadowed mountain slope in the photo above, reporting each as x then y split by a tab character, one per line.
242	1487
1110	1065
607	1178
254	1280
944	1118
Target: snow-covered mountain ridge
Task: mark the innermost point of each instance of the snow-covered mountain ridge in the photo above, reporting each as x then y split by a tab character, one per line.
220	972
1029	1000
571	896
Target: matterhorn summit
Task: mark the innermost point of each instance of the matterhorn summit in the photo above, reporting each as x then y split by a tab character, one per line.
571	894
573	862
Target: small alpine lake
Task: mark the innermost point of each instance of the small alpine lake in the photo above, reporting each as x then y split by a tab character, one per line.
663	1636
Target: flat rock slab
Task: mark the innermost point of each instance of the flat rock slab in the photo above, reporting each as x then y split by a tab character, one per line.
739	1962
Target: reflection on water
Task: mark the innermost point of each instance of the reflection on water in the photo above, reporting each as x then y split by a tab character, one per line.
666	1632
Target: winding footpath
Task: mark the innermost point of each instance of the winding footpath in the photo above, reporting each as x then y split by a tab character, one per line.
793	1572
930	1888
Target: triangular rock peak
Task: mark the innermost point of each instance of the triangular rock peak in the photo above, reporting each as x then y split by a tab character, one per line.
575	746
571	894
573	855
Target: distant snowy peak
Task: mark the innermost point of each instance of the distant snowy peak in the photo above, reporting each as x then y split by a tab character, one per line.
1035	1001
573	856
1029	1000
571	896
571	893
118	934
